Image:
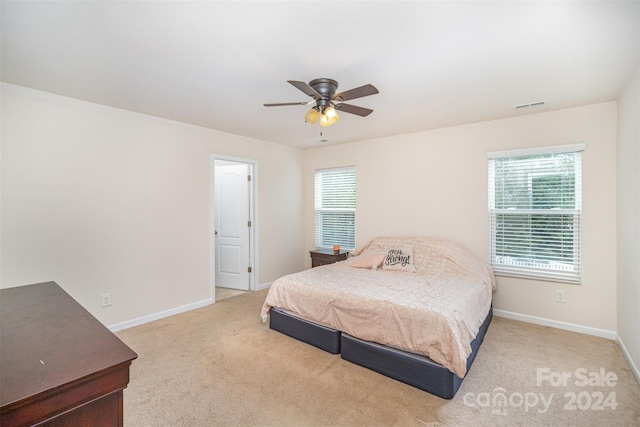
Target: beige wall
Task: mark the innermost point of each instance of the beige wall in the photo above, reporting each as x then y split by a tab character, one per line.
106	200
629	220
435	183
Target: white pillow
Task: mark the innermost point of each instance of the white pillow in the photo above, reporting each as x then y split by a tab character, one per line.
400	259
372	261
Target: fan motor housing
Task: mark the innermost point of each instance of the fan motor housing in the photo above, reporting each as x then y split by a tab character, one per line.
325	87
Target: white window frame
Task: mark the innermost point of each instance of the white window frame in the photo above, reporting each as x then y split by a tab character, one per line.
348	240
543	270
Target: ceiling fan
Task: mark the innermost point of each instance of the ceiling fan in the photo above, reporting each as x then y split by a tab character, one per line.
327	101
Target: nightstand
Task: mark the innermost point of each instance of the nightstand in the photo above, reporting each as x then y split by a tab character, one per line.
326	256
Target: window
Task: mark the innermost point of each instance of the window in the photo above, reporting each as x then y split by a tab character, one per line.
535	199
335	204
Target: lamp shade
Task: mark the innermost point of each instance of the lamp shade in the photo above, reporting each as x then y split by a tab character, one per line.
312	116
329	116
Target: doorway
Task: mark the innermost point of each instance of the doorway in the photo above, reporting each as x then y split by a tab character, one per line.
233	223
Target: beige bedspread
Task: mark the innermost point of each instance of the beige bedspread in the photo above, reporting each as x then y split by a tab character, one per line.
436	311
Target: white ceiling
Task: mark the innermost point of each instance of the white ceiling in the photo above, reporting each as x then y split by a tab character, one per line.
215	63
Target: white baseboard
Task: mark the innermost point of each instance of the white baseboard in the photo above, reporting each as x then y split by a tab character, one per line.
627	355
556	324
264	286
170	312
160	315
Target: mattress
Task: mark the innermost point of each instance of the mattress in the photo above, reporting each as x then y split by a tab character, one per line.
435	311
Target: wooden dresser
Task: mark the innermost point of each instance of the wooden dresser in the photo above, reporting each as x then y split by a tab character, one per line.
59	366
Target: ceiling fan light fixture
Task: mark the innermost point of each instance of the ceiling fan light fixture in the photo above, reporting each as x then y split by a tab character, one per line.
323	92
329	116
312	116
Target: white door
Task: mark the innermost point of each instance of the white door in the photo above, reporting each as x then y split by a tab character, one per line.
232	216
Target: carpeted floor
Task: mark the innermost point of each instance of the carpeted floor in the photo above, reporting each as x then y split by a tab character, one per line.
220	366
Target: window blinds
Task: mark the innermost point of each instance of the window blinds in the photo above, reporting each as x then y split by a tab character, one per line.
335	207
535	202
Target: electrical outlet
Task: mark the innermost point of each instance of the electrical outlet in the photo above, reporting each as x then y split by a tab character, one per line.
106	299
561	296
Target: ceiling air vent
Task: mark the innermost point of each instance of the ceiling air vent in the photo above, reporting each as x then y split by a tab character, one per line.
531	104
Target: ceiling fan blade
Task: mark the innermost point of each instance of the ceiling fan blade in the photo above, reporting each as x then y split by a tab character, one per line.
358	92
353	109
285	103
304	87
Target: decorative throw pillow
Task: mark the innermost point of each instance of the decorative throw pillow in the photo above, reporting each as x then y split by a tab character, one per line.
372	261
400	259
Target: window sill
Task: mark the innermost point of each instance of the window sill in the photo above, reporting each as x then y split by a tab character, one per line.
536	277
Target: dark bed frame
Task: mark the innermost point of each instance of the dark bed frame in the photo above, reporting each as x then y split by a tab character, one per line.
413	369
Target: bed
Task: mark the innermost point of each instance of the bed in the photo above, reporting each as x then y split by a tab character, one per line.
412	308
